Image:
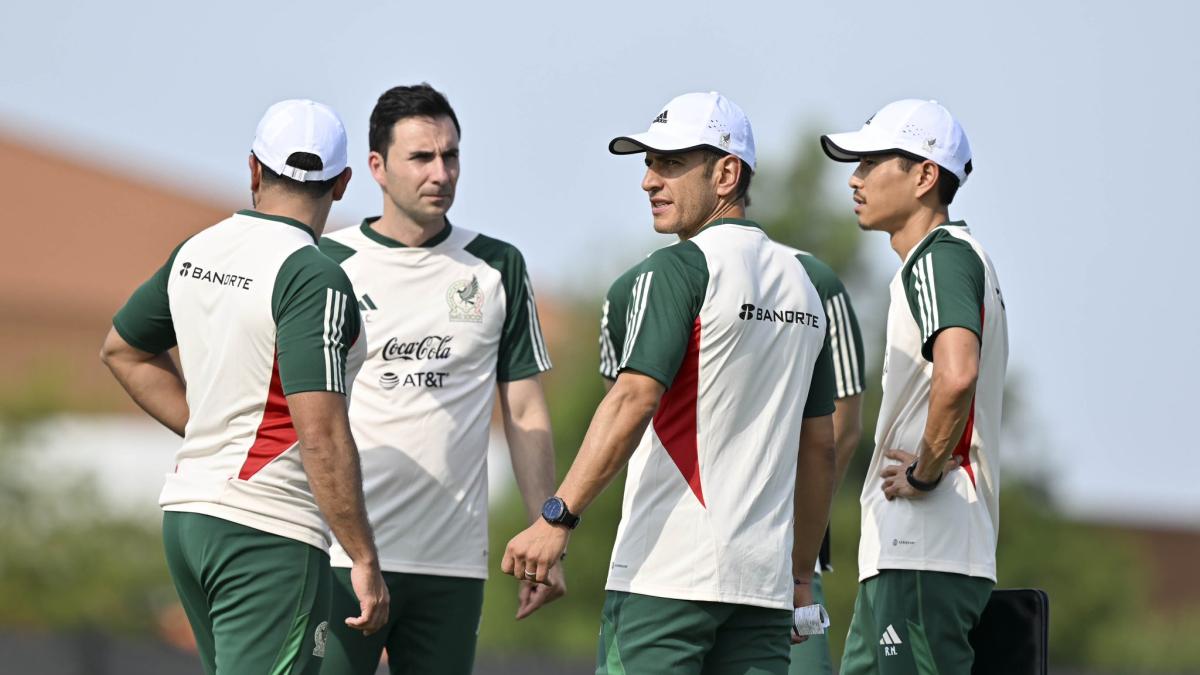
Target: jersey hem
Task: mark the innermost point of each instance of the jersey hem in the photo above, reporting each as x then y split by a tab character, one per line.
697	595
649	372
255	521
985	572
521	374
340	559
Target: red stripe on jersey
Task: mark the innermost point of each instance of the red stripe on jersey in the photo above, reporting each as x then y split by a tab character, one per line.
963	449
275	433
675	420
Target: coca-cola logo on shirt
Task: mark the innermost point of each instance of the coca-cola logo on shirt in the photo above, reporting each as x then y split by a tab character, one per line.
429	348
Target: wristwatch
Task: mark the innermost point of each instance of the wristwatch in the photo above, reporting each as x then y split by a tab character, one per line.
917	483
555	511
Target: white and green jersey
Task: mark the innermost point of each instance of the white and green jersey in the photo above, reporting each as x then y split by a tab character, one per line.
730	322
946	281
845	342
444	322
258	314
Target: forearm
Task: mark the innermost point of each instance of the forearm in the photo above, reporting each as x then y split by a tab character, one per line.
952	390
616	428
331	463
530	441
949	408
847	432
152	381
816	471
335	478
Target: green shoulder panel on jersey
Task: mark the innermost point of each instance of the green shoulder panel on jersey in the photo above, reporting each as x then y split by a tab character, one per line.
145	321
612	323
316	321
523	350
845	336
336	250
663	304
944	284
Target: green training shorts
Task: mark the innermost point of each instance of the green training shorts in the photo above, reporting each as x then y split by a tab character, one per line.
258	602
908	622
432	626
647	635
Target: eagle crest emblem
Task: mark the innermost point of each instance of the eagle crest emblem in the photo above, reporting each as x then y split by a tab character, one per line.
465	298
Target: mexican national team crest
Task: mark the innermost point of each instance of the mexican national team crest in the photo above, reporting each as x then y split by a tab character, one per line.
320	637
466	300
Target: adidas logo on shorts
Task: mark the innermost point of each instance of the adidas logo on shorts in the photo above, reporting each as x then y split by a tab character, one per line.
889	641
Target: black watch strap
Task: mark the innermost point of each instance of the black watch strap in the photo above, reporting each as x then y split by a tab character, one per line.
917	483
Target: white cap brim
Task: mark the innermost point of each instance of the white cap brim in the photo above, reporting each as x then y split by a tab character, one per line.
654	142
850	146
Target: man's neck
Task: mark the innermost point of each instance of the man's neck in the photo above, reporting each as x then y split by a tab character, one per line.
724	210
312	213
915	228
398	225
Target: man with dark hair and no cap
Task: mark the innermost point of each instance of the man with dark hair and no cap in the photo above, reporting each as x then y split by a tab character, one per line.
266	328
930	503
722	408
454	328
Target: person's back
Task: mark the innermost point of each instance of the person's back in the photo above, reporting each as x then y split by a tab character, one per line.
730	421
264	324
227	286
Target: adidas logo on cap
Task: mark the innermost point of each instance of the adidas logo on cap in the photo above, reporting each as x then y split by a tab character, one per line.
661	119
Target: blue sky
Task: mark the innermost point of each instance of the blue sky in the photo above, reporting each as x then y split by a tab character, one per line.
1082	117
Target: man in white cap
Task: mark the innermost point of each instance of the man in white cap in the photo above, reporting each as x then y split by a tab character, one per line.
265	326
724	357
930	504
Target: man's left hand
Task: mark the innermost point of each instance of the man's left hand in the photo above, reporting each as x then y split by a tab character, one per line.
531	554
895	482
531	596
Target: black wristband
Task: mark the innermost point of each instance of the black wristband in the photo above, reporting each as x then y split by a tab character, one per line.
917	483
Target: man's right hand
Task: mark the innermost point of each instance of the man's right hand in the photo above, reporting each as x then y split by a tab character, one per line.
373	600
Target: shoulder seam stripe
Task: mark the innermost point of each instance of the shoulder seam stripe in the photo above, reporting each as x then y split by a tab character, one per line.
637	313
335	316
855	384
540	353
607	349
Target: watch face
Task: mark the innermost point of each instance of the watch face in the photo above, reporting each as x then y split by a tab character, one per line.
553	509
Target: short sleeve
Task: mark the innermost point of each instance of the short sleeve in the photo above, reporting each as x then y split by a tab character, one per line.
316	320
663	304
845	336
821	389
944	284
145	321
612	324
522	351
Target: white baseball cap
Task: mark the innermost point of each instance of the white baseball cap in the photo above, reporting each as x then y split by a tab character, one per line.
694	121
301	125
911	126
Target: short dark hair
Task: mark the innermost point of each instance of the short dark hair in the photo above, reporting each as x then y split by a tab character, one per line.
711	155
397	103
305	161
947	185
